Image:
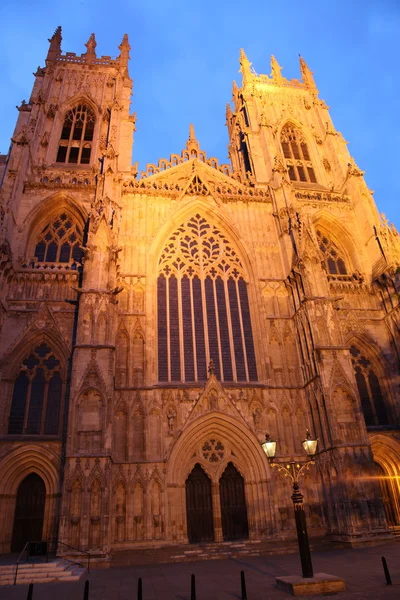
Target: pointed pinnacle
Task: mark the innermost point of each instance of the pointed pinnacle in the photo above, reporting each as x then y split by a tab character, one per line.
276	70
56	34
192	135
306	73
125	43
245	65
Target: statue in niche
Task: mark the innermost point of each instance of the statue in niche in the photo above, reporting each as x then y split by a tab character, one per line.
257	417
171	416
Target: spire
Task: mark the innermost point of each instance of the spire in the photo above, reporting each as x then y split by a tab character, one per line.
245	67
228	112
55	44
306	74
91	48
276	71
124	48
192	143
235	90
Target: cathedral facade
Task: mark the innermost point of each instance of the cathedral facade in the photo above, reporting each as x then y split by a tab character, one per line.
155	325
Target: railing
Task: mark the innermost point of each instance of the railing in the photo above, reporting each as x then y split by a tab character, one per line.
48	543
57	542
19	560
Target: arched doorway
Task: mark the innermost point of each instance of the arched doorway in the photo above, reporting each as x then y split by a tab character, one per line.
199	513
29	512
388	497
233	505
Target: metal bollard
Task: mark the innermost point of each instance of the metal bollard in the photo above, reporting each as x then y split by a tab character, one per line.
243	584
30	592
139	589
387	574
86	591
193	588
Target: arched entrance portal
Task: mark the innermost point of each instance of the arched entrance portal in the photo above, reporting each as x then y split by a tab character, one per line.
233	505
29	512
199	506
388	496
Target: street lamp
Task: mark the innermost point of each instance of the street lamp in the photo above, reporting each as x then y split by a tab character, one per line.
294	469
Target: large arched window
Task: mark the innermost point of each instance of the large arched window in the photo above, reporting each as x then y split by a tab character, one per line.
60	241
36	407
77	135
295	151
333	256
203	307
372	402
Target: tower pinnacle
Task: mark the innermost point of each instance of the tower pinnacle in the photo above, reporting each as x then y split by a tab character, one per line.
55	44
245	67
192	143
276	71
124	48
306	74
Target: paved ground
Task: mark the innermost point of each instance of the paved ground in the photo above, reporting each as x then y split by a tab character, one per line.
220	579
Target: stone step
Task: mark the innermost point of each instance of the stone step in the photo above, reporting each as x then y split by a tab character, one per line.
30	566
41	572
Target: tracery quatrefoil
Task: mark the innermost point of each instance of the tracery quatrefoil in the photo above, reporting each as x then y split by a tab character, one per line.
200	248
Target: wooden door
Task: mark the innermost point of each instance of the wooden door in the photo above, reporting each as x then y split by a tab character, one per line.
29	512
233	505
200	523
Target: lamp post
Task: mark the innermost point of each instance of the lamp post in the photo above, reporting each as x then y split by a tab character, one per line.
294	469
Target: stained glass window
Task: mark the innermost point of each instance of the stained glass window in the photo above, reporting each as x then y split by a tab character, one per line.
37	396
203	307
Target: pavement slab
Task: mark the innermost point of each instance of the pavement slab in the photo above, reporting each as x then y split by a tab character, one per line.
361	568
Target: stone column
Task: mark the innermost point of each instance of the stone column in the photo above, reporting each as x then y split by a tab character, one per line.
217	517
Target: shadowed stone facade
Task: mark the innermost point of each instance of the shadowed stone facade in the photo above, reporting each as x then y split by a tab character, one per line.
118	290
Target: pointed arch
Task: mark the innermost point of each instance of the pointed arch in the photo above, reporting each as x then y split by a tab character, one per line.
138	357
101	329
338	233
77	133
246	450
220	219
61	217
203	309
33	392
386	452
297	156
370	373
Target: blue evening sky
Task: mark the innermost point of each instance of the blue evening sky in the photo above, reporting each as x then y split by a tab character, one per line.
184	58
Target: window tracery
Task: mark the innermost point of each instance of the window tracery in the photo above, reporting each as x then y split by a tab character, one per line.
295	151
203	308
75	145
60	241
372	401
334	260
36	406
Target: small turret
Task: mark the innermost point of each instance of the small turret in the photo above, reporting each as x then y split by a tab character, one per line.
91	48
276	71
192	143
245	67
124	48
306	74
55	44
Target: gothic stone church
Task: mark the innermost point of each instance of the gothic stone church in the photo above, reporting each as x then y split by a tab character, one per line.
155	325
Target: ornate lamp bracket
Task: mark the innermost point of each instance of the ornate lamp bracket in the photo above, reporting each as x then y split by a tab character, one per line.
292	469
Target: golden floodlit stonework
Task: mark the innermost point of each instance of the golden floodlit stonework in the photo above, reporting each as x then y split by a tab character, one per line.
155	326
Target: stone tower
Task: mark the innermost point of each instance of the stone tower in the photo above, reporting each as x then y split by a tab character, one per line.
154	327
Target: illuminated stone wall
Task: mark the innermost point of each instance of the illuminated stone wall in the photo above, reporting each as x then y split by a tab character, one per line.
178	315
